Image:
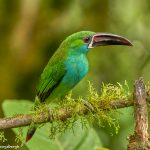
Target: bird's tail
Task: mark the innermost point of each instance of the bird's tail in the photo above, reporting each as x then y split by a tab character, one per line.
30	133
32	130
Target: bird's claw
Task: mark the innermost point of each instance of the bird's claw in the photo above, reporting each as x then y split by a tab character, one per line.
51	116
88	105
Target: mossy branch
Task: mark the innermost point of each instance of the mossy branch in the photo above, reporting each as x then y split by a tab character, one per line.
62	114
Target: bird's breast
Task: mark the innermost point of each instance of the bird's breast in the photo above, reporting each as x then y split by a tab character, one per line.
77	68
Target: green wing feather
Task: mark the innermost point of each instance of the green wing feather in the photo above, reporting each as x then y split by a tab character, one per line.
51	76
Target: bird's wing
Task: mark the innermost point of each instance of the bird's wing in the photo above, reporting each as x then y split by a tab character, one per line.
50	78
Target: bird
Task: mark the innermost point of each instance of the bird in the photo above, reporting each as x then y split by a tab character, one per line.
69	64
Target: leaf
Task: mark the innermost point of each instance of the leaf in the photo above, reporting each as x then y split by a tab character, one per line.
126	124
40	139
12	107
79	140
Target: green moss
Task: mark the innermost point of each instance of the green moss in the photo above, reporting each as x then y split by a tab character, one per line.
101	112
115	92
101	115
38	108
101	104
2	136
19	137
58	127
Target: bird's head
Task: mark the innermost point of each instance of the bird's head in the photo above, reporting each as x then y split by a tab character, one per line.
84	40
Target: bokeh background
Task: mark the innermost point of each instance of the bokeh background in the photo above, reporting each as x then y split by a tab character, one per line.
31	31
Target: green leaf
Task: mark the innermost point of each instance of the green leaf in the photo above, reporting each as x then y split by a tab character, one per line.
13	107
40	139
80	139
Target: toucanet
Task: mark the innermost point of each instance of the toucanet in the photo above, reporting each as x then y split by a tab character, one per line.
69	64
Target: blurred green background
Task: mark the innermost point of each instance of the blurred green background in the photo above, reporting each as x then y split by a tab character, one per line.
31	31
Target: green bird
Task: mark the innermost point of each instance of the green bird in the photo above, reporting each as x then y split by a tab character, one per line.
69	65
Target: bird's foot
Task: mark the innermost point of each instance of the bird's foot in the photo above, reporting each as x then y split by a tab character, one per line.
88	105
51	116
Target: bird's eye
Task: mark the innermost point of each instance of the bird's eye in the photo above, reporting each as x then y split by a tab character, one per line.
86	39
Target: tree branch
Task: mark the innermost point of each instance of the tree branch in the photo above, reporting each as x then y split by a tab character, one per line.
140	139
62	114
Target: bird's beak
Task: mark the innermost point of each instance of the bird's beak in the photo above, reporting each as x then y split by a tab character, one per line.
103	39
